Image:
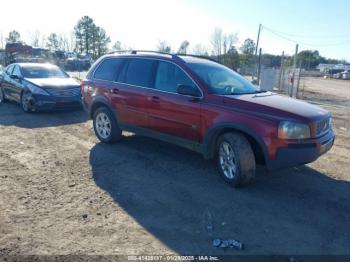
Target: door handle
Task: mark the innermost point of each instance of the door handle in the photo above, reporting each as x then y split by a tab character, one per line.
155	99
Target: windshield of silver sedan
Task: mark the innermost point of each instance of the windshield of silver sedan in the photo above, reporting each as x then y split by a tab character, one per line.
222	80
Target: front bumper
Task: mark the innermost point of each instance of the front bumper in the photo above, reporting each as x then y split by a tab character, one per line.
301	153
50	103
86	107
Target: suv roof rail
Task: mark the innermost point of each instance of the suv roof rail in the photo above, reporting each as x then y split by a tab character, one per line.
134	52
201	56
174	56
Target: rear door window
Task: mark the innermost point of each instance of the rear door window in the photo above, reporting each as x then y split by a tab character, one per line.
140	72
108	70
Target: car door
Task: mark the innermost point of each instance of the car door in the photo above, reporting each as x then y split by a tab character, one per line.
16	85
130	96
169	112
6	84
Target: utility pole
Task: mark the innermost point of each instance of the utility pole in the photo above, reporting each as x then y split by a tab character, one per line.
294	91
257	41
281	72
257	45
295	56
259	67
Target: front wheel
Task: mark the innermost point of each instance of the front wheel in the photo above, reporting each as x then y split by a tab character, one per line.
106	126
2	95
235	159
27	102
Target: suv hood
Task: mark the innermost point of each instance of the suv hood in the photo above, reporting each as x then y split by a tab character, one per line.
277	105
54	82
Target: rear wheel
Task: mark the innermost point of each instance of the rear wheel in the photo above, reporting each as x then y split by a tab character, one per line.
106	126
235	159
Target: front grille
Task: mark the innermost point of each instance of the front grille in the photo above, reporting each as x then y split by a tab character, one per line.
67	92
67	105
322	126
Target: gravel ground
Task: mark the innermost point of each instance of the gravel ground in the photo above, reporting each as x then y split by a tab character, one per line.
63	192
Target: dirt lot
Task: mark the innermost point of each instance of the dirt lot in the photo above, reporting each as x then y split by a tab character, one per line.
327	91
62	192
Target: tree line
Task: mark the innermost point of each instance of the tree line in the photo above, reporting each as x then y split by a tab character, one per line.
89	38
86	37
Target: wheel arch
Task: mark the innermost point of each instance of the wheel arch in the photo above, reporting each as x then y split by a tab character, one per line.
100	102
213	134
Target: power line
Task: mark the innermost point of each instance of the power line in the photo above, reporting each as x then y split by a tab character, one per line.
304	43
312	36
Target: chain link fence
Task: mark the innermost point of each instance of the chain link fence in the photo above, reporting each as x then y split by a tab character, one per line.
311	86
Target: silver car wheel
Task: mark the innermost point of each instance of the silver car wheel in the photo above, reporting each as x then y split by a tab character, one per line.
227	160
25	101
103	125
1	95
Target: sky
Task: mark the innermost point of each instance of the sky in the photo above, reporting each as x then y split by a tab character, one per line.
314	24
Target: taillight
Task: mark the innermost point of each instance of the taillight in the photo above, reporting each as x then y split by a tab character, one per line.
82	88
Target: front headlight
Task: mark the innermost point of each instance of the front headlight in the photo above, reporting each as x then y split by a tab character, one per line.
331	122
37	90
293	130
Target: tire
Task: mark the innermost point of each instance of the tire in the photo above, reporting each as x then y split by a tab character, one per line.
106	126
27	102
2	96
235	159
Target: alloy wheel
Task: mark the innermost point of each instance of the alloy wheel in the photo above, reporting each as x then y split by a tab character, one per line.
26	102
1	95
103	125
227	160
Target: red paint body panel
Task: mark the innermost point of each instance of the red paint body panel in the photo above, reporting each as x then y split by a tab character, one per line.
174	114
192	119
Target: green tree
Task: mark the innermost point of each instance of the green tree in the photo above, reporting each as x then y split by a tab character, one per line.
247	50
273	61
14	37
83	34
53	42
310	59
101	41
90	38
183	47
231	58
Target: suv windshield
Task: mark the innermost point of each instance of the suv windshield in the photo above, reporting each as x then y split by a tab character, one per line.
43	72
223	81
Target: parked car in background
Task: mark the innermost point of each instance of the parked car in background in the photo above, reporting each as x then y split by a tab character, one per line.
39	87
206	107
345	75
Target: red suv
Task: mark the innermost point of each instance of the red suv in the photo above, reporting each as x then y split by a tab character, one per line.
206	107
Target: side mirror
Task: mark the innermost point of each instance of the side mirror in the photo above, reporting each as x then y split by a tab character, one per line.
255	82
15	77
188	90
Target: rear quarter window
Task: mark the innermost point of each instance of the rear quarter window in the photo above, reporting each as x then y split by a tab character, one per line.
140	72
108	69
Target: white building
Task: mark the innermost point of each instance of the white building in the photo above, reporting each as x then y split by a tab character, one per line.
324	67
